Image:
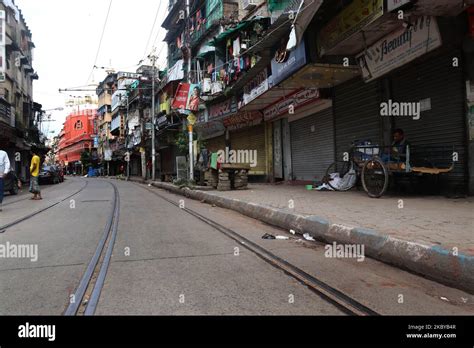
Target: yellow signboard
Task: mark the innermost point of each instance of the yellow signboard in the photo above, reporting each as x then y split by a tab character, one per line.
349	21
192	119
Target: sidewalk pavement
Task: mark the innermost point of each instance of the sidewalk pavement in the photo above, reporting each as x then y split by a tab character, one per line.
429	235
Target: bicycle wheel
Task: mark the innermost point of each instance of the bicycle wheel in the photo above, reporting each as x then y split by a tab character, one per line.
342	168
374	178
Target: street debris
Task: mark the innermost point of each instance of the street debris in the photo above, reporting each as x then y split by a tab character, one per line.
268	236
308	237
444	299
292	231
282	237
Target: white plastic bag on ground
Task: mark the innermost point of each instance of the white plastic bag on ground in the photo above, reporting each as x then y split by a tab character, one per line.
308	237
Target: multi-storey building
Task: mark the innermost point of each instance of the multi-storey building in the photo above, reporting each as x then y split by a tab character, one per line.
298	81
76	137
18	111
104	92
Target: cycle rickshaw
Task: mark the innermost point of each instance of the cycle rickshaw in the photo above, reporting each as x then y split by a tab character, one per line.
374	166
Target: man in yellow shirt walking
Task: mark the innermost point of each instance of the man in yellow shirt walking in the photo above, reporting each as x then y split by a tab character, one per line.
34	171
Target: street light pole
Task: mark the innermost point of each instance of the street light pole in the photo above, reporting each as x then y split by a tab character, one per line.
153	154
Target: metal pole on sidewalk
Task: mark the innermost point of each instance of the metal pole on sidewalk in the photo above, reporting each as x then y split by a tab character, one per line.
190	125
153	154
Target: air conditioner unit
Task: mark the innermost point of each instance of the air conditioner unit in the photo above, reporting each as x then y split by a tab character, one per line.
250	4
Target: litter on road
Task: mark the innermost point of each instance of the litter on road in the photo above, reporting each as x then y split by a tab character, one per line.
308	237
268	236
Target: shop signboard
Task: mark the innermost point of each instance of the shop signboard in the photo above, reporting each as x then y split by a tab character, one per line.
348	22
256	87
296	59
400	47
243	120
162	121
176	72
293	101
222	109
209	130
214	12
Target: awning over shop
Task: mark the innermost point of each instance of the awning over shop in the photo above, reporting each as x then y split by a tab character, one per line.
271	96
321	76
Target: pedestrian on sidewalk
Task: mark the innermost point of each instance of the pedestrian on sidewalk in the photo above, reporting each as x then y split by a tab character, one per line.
34	172
149	165
4	169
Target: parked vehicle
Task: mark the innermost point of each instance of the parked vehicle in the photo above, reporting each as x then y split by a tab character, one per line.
49	175
10	182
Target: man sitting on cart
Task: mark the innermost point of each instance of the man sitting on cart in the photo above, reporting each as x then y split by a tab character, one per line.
398	149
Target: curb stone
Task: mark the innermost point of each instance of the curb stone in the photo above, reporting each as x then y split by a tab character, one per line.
431	261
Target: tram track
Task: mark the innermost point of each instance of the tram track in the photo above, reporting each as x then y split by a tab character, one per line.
48	189
29	216
328	293
86	296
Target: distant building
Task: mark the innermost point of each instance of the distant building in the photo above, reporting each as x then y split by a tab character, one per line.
77	136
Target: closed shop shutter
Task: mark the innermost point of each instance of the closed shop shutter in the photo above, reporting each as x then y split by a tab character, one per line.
439	81
215	144
312	145
357	114
251	139
168	161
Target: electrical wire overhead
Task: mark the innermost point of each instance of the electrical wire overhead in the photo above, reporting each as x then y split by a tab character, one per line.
151	31
100	41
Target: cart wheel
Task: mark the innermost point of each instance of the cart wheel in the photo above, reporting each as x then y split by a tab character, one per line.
341	167
374	178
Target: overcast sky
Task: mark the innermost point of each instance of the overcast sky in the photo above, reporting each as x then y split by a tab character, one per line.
66	34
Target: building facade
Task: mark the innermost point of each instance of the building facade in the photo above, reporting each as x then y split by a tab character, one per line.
299	98
77	136
19	114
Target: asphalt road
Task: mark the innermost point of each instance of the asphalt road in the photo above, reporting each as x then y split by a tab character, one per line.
168	262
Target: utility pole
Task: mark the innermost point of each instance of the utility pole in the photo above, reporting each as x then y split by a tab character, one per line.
190	124
153	154
128	140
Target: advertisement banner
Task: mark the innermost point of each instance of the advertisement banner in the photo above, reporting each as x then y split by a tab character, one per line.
348	22
181	97
400	47
194	97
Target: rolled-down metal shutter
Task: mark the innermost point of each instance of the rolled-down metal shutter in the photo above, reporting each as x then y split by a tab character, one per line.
357	114
312	145
215	144
438	80
251	139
